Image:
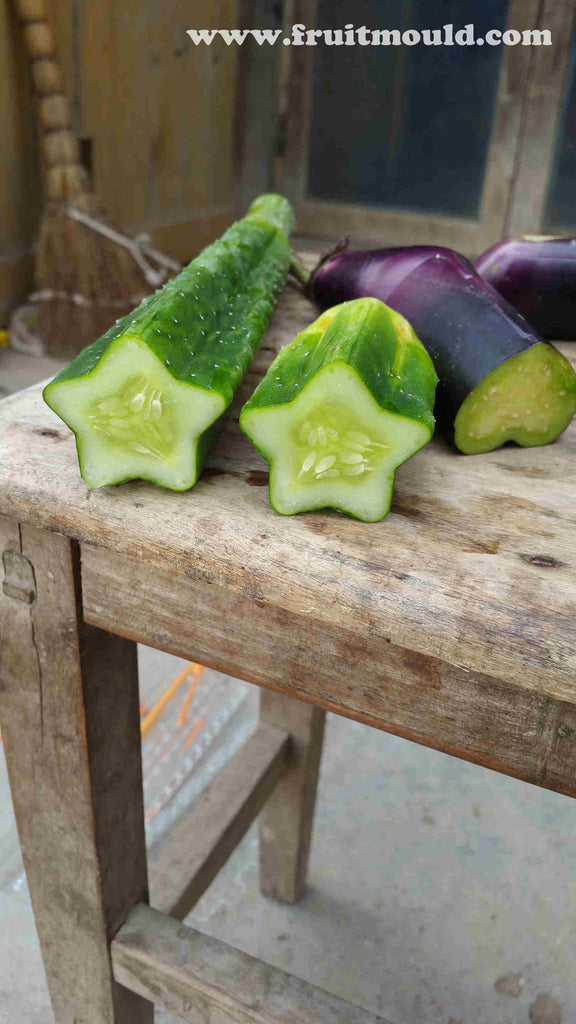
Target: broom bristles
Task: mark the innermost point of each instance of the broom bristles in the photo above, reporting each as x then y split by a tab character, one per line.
85	282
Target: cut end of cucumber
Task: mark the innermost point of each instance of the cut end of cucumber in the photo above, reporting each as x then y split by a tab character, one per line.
529	399
333	446
133	420
274	209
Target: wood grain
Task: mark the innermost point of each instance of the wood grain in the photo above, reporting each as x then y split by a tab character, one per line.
475	565
501	163
369	225
211	831
19	199
16	275
162	155
158	133
70	726
286	821
522	732
205	981
542	108
257	102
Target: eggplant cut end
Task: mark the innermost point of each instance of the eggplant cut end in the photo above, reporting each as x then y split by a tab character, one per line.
529	399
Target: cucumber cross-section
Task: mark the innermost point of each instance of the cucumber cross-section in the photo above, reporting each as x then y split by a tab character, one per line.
341	407
145	400
133	419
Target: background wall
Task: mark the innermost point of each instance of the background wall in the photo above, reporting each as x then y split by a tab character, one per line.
19	182
180	138
154	113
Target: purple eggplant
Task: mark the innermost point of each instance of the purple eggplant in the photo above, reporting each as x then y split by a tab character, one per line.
499	380
537	275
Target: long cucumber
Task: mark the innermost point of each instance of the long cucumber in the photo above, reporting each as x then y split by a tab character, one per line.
144	400
341	407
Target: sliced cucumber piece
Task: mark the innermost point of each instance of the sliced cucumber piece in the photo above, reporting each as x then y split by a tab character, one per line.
341	407
144	400
529	399
132	418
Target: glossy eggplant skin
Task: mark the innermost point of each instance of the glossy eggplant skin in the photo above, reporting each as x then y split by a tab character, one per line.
467	327
538	277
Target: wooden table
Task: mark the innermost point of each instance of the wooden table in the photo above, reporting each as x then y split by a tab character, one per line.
452	623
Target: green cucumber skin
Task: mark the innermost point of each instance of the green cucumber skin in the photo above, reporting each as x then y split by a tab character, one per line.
274	209
206	324
383	351
399	375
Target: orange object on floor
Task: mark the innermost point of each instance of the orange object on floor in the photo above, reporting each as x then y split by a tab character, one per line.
160	706
189	696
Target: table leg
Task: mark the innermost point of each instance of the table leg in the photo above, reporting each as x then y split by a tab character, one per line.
287	817
70	725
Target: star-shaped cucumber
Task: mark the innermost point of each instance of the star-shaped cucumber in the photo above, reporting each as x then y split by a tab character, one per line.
132	419
341	407
147	398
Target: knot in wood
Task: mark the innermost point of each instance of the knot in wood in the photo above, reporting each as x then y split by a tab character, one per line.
19	582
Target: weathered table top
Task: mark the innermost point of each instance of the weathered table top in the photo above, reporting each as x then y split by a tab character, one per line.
475	564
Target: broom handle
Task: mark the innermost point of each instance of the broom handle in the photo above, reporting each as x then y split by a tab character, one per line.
66	178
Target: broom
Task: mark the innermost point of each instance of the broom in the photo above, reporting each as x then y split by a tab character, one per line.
86	274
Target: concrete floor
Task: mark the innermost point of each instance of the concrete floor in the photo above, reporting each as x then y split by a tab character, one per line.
439	892
430	882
